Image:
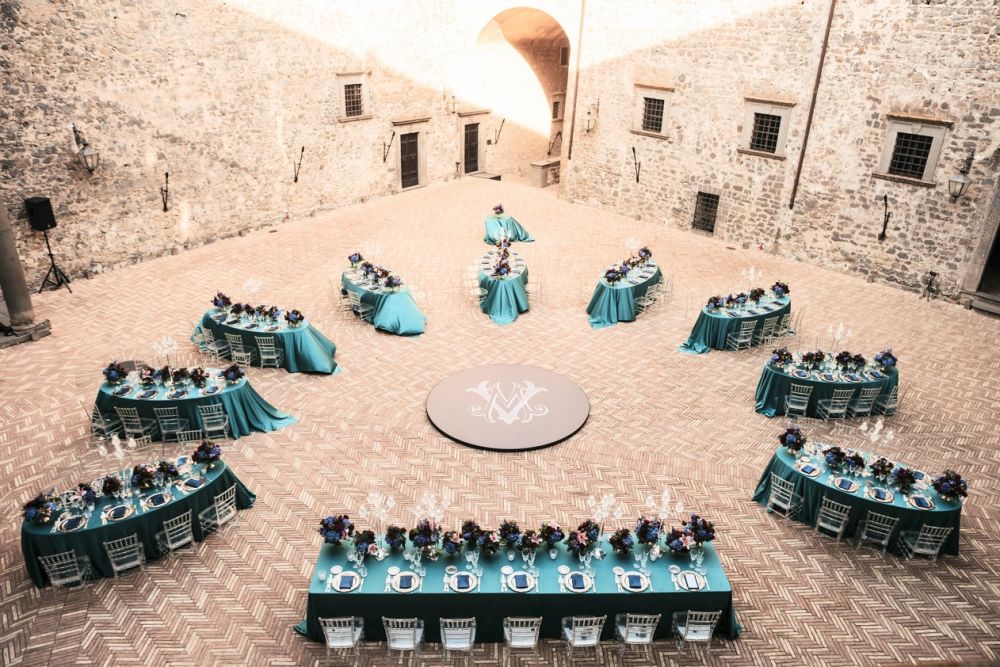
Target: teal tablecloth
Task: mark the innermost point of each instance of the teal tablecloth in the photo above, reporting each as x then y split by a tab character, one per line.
712	327
306	350
395	312
40	540
247	411
813	489
490	606
506	298
774	386
611	304
512	229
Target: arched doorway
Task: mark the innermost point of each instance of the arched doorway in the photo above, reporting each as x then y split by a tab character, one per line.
522	70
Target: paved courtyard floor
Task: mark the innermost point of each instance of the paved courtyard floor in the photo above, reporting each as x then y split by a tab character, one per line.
658	417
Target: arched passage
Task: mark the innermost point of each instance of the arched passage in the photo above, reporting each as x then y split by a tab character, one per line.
521	73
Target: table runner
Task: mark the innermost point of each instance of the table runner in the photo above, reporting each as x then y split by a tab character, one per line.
306	350
611	304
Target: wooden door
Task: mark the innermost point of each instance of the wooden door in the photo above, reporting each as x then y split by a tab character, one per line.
409	173
471	148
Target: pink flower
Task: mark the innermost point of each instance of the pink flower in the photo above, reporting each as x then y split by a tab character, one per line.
372	549
581	538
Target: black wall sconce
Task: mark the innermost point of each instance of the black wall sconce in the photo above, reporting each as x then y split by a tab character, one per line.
165	191
88	155
590	122
931	290
637	164
453	105
885	218
299	164
387	146
552	144
957	185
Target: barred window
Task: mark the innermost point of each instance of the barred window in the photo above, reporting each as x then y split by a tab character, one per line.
353	105
555	109
706	209
909	155
564	56
652	114
764	136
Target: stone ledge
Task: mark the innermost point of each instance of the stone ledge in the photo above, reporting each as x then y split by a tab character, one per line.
748	151
643	133
904	179
351	119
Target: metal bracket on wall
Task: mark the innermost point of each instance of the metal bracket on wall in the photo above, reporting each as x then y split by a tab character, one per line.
885	218
552	143
299	165
165	190
637	164
496	135
387	146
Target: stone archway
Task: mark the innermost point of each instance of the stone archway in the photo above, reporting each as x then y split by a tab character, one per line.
522	69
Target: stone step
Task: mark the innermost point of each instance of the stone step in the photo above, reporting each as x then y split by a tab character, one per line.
488	176
989	303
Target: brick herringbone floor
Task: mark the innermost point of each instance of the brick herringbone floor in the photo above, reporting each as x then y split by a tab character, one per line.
658	417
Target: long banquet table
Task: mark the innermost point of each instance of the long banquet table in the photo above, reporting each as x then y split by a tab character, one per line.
507	226
813	489
505	298
42	540
395	312
713	325
775	384
489	605
247	411
306	350
613	303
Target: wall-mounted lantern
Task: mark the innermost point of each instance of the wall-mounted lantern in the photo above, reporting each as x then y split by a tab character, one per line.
590	121
452	105
89	156
957	185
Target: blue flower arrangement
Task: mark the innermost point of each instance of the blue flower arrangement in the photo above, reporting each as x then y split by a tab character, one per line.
168	469
111	485
470	533
393	282
551	533
904	478
881	468
647	530
498	209
756	294
143	476
584	537
701	529
355	258
115	373
679	540
886	359
780	289
793	439
221	301
294	318
395	537
645	254
451	542
40	509
612	276
950	485
622	541
424	535
335	529
207	452
502	268
233	374
834	456
530	540
715	302
510	534
364	543
489	542
781	357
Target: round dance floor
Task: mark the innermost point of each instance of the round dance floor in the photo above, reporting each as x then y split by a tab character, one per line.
507	407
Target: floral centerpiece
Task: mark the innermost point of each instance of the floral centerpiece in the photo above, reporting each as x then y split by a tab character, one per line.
221	301
779	289
335	529
844	359
813	359
679	540
489	542
904	478
470	533
393	282
510	534
647	530
551	533
736	300
886	359
793	439
424	535
180	375
367	267
950	486
208	453
294	318
115	373
233	374
530	540
584	537
451	542
781	357
855	460
198	377
40	509
501	268
86	493
260	311
273	313
715	302
498	209
881	468
365	544
756	294
702	530
355	258
645	254
168	469
395	537
163	375
111	485
147	376
622	541
236	309
858	362
502	244
834	456
612	276
143	477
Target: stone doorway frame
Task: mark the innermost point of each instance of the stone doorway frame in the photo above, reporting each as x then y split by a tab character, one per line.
989	237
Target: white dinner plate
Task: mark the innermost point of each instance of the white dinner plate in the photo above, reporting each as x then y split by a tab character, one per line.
634	582
457	579
520	582
405	582
345	582
578	582
690	581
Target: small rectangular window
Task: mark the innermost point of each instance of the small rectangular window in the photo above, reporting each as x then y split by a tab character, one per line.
352	100
909	155
564	56
706	209
766	129
555	110
652	114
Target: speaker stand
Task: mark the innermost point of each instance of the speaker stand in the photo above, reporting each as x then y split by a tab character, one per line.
55	278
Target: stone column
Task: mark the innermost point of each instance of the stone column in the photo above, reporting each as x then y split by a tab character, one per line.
15	289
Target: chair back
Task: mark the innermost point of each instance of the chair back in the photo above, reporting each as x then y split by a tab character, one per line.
341	632
177	531
266	345
125	553
930	539
892	400
586	630
235	341
63	568
786	323
841	396
212	414
354	297
866	397
130	418
878	527
209	339
225	505
639	628
189	436
747	327
701	623
832	515
458	633
402	634
782	491
522	632
798	395
168	418
769	324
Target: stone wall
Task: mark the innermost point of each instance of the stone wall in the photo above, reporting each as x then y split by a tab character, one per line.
925	58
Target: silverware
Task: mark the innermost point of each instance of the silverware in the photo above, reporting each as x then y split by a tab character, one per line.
503	584
388	583
562	585
446	583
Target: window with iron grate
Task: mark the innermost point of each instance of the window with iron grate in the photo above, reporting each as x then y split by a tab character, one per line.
909	155
652	114
706	210
765	133
353	104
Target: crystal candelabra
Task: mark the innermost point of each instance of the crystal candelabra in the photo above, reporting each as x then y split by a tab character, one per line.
252	285
376	509
432	508
838	335
165	347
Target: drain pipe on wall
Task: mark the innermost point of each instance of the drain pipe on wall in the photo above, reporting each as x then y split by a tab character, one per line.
812	104
576	81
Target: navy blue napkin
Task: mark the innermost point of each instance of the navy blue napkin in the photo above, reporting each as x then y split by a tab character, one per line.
634	581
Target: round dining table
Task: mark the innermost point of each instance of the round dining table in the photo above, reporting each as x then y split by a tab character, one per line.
615	302
776	381
507	227
715	324
392	310
305	349
247	410
506	297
